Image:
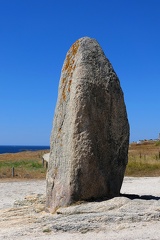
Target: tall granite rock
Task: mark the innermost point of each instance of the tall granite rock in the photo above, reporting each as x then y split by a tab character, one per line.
90	135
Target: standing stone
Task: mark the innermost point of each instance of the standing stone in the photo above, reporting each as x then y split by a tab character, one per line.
90	135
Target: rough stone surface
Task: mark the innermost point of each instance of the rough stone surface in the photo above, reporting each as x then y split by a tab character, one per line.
90	135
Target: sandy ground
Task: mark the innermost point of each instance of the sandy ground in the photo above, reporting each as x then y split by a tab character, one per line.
23	222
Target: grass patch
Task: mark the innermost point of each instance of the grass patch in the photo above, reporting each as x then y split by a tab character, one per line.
142	168
144	159
157	143
26	165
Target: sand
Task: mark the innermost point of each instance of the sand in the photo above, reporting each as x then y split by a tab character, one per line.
136	215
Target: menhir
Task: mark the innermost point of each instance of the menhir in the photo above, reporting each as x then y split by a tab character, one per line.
90	135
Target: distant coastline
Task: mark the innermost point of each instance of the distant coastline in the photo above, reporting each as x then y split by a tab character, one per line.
21	148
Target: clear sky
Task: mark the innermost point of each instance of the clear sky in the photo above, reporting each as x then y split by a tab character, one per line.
35	36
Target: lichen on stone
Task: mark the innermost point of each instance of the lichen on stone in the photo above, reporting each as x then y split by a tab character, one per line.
68	69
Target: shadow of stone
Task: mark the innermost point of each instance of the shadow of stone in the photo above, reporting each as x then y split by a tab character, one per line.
130	196
143	197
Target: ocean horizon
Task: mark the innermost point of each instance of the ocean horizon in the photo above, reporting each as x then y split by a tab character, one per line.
21	148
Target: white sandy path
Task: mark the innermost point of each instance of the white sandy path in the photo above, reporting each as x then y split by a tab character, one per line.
17	190
141	186
11	191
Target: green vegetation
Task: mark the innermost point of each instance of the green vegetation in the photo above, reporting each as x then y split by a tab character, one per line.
144	159
28	164
25	164
158	143
142	168
47	230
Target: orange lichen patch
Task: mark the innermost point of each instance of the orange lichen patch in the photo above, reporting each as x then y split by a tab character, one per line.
69	65
64	94
69	68
68	60
64	86
69	85
64	83
63	80
70	57
75	47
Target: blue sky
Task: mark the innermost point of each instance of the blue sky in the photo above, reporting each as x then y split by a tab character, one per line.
35	36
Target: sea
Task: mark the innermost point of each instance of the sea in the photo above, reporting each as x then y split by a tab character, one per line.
16	149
